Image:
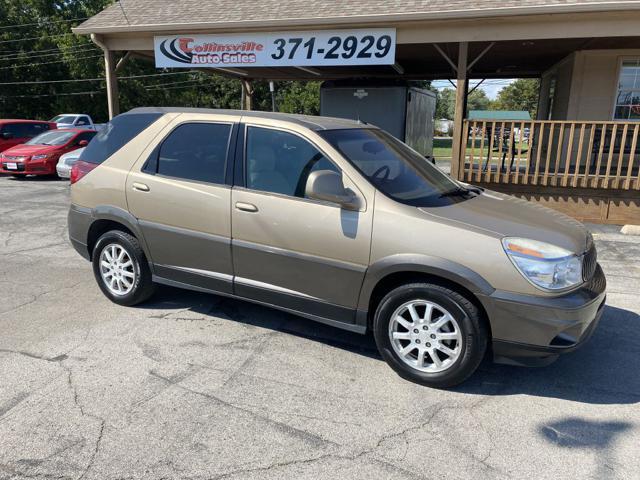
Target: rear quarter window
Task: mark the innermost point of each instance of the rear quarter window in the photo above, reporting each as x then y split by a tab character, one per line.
116	134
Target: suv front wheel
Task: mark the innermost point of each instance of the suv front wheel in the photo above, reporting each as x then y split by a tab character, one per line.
430	334
121	268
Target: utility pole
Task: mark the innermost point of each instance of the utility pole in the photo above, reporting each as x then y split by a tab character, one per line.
272	89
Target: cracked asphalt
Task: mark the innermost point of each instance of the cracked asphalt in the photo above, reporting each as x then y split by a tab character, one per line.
193	386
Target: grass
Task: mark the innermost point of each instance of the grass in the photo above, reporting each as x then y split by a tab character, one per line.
441	150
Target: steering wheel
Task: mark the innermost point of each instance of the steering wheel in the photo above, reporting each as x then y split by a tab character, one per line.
385	169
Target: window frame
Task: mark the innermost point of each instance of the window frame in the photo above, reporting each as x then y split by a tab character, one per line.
241	173
154	156
617	90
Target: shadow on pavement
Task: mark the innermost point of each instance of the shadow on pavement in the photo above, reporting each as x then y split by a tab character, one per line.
603	371
34	178
583	434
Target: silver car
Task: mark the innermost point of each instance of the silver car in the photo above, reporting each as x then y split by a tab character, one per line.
63	168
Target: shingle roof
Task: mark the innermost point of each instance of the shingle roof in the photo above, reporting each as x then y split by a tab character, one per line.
131	15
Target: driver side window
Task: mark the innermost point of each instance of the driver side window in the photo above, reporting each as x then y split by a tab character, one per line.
280	162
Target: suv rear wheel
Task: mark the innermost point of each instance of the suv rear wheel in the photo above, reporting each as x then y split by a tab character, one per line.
430	334
121	268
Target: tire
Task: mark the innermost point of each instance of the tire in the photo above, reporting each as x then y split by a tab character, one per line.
141	286
468	328
18	177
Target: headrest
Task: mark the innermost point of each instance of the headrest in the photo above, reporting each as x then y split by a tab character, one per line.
262	159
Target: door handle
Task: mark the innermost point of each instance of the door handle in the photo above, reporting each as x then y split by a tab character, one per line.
141	187
246	207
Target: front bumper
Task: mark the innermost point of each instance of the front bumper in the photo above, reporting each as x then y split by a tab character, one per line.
63	170
534	331
37	167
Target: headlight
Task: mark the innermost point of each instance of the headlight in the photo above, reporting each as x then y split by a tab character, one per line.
546	266
39	157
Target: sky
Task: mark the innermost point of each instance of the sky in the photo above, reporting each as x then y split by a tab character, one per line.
490	86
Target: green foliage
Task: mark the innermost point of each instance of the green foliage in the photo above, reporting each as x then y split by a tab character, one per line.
520	95
297	97
57	54
446	102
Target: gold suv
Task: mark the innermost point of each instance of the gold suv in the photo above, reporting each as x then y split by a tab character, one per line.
338	222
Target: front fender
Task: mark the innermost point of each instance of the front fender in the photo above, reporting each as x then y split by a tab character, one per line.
417	263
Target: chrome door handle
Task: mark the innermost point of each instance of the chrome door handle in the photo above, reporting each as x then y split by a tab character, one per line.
141	187
246	207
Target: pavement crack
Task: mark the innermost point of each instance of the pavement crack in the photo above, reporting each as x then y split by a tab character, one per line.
304	435
101	421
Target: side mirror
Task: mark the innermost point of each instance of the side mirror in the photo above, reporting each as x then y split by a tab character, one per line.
83	143
326	185
7	135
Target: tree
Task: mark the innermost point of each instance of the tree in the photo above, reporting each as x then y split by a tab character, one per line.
298	97
58	55
522	94
446	102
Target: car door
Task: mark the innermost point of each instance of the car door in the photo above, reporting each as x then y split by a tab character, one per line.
305	255
13	134
82	122
179	193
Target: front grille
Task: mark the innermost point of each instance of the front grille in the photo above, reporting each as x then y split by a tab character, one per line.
589	263
598	282
19	165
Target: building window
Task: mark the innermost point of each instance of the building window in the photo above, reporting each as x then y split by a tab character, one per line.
628	94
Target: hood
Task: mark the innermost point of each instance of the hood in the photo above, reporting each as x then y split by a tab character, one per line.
512	217
64	125
72	155
29	150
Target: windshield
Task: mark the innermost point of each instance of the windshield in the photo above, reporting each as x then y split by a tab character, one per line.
391	166
63	119
51	138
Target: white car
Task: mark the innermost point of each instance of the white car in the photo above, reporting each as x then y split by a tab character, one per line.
76	120
66	161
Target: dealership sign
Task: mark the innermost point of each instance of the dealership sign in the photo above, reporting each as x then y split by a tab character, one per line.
375	46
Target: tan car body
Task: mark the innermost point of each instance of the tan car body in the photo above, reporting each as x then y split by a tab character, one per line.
316	258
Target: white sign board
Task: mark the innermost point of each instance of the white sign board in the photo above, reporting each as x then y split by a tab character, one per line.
376	46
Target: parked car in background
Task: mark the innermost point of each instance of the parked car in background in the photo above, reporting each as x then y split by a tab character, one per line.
39	156
339	222
15	132
66	162
76	120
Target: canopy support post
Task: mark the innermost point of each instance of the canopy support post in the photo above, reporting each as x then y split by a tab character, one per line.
457	163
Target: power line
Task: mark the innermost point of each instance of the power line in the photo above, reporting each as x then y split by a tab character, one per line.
11	53
175	88
101	79
20	56
6	27
92	92
34	38
171	83
46	63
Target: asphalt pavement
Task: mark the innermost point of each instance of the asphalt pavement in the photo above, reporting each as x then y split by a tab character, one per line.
194	386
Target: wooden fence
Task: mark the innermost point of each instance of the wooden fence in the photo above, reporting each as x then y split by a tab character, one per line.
571	154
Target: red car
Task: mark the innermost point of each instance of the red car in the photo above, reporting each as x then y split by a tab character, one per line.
40	155
15	132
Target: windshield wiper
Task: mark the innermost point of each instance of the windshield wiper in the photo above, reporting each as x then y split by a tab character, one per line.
456	192
461	191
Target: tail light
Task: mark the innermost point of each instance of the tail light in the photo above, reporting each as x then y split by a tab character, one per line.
80	169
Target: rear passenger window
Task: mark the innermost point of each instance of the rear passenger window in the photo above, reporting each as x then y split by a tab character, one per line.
196	151
115	134
34	129
15	129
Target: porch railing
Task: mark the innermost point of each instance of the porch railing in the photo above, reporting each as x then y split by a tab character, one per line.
552	153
